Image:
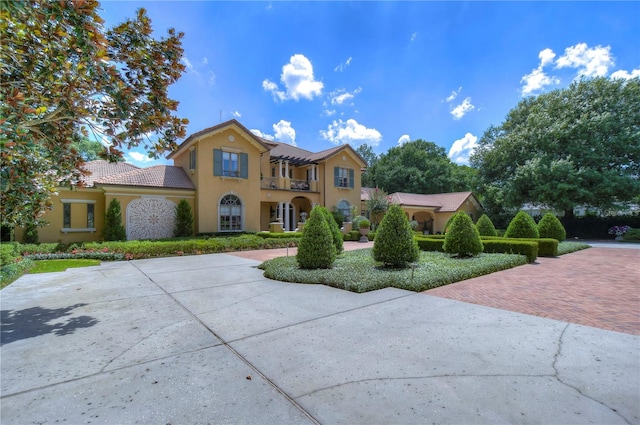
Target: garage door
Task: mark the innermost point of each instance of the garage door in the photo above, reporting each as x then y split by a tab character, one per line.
150	218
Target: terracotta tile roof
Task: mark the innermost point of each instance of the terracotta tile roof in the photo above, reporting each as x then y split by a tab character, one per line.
160	176
100	169
442	202
285	150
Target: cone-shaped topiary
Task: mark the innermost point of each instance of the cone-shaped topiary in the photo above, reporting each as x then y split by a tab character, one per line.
550	227
113	228
485	226
316	249
522	226
184	220
338	240
394	244
462	238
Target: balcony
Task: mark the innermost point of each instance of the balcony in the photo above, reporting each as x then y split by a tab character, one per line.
299	184
285	183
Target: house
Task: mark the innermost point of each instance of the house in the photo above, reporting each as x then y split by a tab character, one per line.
234	180
431	211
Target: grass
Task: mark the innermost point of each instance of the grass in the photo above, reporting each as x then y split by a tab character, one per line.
356	271
569	247
48	266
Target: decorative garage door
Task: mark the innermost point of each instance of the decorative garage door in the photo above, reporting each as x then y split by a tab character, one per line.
150	218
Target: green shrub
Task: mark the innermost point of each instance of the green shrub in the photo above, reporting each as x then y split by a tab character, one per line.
316	249
430	244
8	253
353	235
41	248
285	235
356	221
462	238
364	224
184	220
31	233
485	226
528	248
338	217
547	247
394	243
632	235
336	234
113	228
11	272
550	227
522	226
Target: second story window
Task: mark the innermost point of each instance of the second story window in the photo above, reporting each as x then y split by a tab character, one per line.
343	177
192	159
230	164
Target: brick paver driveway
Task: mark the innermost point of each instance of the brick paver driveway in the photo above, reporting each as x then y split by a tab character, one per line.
597	287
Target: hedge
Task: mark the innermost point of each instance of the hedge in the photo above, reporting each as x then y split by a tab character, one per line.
267	235
547	247
430	244
512	246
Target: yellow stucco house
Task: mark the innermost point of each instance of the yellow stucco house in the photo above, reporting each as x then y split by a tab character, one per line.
234	180
431	211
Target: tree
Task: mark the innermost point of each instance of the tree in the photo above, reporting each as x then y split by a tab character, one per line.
569	147
394	244
113	228
414	167
90	150
462	238
334	227
485	226
63	77
366	152
184	219
377	205
316	249
522	226
550	227
464	178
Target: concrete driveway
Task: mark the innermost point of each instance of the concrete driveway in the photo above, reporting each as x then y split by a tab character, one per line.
207	339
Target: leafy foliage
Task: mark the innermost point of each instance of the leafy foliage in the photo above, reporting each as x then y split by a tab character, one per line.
366	152
316	249
522	226
394	244
527	248
90	150
568	147
485	226
632	235
334	227
377	205
113	228
62	77
462	238
550	227
31	233
184	219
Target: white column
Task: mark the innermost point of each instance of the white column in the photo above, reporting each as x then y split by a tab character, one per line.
286	216
280	168
280	212
286	172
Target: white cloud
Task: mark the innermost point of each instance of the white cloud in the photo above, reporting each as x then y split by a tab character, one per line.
462	109
139	157
284	132
546	57
536	80
342	66
453	95
635	73
261	134
329	112
212	78
463	148
297	77
414	36
341	96
187	63
236	114
205	60
404	139
590	62
341	132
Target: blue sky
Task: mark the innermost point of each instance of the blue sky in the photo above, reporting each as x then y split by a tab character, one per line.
317	74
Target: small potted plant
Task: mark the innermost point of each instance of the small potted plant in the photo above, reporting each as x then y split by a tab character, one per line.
363	226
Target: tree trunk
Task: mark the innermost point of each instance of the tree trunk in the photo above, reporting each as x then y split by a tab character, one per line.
568	214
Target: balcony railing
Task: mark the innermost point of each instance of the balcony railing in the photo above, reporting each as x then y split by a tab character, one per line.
294	184
269	183
299	184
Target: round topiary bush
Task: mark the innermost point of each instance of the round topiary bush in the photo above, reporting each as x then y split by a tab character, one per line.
522	226
316	249
462	238
550	227
394	244
336	234
485	226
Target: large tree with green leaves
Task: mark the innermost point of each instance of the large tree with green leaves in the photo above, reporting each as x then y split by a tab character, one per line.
64	76
370	157
90	150
574	146
414	167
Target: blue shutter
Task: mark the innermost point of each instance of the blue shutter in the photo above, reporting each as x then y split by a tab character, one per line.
244	166
351	174
336	176
217	162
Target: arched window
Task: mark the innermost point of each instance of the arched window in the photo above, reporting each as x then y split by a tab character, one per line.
230	213
345	209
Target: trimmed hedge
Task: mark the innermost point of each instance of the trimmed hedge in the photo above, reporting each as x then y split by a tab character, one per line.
547	247
512	246
353	235
430	244
267	235
8	253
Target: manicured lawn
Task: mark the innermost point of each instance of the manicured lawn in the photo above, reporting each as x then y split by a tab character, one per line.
47	266
356	271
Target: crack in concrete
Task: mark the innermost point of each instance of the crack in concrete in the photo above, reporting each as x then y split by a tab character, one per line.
573	387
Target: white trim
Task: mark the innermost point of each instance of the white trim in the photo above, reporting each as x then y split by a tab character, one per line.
78	201
137	194
78	230
231	150
153	197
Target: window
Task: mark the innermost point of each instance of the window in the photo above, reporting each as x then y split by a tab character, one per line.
230	164
230	213
343	177
66	215
345	209
192	159
90	221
